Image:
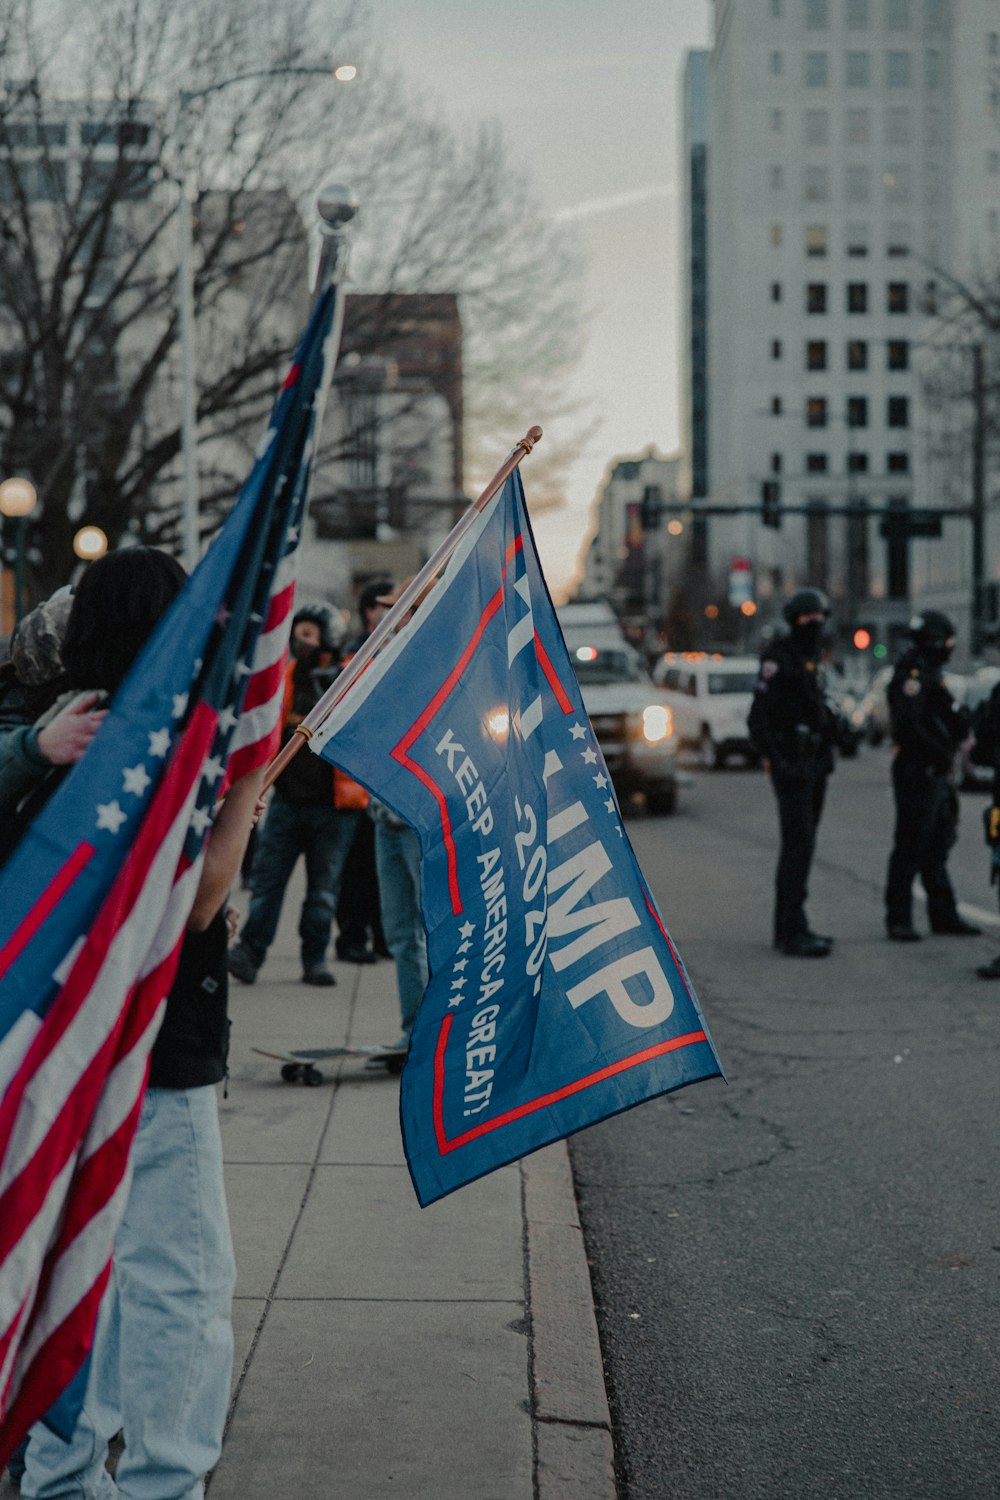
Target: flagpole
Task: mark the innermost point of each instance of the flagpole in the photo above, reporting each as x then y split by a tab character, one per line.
391	621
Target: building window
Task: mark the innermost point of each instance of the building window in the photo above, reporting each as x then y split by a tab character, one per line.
816	354
817	70
857	239
857	296
775	463
775	348
775	236
857	15
897	15
775	291
897	355
776	177
897	182
817	237
816	411
857	411
899	240
777	121
898	125
817	463
858	71
897	411
857	463
817	15
857	184
897	463
816	297
897	70
817	127
857	354
776	64
993	43
857	127
817	184
897	298
775	406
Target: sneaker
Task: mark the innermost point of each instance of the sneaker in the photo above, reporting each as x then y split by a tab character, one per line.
240	963
956	927
902	932
319	974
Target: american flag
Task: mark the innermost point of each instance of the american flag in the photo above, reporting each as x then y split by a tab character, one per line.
94	902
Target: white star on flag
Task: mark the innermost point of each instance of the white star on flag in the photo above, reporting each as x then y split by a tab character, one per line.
453	1001
467	929
213	768
610	804
136	779
201	819
110	816
464	947
180	704
159	742
459	983
228	720
600	779
578	732
461	962
590	756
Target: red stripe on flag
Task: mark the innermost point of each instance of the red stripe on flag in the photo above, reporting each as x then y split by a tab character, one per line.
249	757
291	377
666	938
46	903
279	608
551	677
531	1106
263	685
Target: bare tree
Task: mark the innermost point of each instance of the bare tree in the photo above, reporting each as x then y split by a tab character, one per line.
93	144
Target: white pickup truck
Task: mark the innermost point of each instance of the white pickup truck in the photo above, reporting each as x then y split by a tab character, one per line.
709	696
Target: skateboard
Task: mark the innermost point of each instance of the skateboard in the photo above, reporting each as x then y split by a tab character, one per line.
300	1067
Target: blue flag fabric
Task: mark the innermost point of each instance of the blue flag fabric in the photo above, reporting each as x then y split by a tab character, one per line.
556	997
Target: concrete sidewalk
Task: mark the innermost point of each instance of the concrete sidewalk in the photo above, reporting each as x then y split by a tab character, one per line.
383	1349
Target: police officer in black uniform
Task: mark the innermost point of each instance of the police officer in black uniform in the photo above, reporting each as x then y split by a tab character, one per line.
793	728
927	727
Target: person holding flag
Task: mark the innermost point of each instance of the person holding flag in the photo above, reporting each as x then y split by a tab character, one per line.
162	1356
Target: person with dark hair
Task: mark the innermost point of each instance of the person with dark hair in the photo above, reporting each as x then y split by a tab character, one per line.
313	813
163	1348
927	726
359	917
793	729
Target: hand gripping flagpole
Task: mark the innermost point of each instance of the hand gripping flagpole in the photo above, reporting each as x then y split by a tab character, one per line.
390	622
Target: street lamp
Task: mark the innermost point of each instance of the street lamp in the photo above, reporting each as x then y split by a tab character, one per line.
90	543
18	498
342	73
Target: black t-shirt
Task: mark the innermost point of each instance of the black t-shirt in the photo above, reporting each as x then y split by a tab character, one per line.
193	1044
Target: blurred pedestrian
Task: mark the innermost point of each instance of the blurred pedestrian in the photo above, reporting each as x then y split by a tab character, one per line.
793	728
314	813
397	851
927	727
360	936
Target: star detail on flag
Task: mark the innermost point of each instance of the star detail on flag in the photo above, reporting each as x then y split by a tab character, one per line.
454	1001
213	768
227	719
180	704
600	780
590	756
461	962
136	779
459	983
464	947
610	804
110	816
578	732
201	820
467	929
159	742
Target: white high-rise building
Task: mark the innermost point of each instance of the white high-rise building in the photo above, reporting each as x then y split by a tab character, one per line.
855	153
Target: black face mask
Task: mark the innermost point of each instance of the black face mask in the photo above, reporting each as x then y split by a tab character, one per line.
936	652
808	636
307	654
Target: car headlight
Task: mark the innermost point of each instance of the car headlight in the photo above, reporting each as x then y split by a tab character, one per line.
657	723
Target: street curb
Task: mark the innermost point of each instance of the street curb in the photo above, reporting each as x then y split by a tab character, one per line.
574	1454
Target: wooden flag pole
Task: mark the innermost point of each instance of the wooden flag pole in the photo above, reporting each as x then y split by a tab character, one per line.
390	622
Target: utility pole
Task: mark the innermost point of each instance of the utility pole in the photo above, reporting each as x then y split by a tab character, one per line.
978	507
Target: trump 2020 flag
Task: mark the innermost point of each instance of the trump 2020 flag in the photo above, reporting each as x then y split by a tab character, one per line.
556	997
95	898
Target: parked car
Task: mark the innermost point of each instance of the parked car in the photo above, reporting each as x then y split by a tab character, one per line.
631	719
709	695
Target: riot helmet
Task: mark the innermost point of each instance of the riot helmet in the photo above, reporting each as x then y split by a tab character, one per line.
806	602
331	631
933	634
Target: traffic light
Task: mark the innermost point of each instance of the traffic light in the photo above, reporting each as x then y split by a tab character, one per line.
651	510
770	503
862	638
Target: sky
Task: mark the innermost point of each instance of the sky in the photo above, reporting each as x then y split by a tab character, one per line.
588	94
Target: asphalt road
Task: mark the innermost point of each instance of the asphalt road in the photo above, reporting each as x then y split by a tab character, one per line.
798	1276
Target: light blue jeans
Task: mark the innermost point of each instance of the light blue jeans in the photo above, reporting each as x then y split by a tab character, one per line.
397	858
163	1352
